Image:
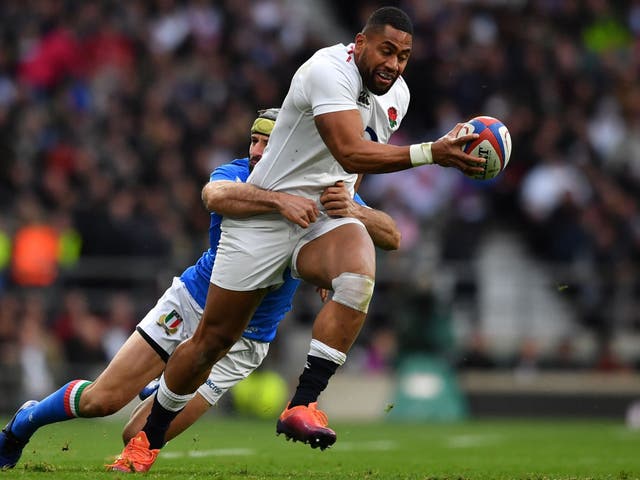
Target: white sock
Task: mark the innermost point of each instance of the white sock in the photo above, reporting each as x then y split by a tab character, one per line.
321	350
169	400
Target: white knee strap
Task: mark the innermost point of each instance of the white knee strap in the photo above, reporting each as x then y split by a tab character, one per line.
353	290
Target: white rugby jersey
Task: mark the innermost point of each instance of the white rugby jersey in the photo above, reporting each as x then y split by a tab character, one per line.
296	159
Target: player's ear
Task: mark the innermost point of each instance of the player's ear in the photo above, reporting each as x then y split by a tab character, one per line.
361	40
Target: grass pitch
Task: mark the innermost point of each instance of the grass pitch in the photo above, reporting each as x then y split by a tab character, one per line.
230	449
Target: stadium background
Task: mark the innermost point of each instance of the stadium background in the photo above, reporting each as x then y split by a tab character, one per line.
112	115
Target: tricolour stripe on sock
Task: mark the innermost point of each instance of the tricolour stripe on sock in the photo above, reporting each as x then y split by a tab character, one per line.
72	397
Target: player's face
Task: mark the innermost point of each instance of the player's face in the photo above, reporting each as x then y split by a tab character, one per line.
256	148
381	56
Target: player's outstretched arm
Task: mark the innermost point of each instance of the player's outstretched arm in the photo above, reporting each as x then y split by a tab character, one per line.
381	227
239	200
342	132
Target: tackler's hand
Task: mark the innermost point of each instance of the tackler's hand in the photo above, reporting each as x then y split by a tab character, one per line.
338	202
299	210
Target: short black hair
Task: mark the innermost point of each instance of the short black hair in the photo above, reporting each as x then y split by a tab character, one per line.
392	16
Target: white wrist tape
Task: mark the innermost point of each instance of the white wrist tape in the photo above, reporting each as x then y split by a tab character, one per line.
420	154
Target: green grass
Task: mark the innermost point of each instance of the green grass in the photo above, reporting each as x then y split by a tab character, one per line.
230	449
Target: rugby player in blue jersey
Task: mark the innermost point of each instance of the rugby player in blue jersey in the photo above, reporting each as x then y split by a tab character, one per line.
175	317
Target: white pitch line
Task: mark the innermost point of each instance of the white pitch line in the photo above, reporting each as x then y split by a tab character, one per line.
468	441
216	452
375	445
378	445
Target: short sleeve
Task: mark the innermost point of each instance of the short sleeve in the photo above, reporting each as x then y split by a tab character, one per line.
227	171
330	87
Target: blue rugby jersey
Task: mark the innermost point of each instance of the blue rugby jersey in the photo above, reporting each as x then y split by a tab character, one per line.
276	304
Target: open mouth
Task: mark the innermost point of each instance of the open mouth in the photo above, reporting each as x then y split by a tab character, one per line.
385	77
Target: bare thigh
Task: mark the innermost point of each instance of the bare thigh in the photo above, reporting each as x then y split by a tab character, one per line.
133	367
226	315
348	248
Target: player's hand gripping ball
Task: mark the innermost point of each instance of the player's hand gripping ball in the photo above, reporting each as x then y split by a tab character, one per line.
493	144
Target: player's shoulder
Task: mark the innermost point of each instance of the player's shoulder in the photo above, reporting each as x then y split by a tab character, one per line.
330	70
236	170
240	163
339	56
339	51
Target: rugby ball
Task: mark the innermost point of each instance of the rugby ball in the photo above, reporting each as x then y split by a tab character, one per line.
493	144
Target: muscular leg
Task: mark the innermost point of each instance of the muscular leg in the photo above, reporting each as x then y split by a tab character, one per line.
346	249
133	367
241	361
196	407
226	315
346	253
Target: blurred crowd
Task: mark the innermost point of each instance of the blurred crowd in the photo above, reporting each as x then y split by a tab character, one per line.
563	75
113	114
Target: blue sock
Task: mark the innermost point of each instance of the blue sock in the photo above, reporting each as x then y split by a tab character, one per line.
61	405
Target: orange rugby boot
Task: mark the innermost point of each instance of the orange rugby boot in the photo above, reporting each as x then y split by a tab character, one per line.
306	424
136	456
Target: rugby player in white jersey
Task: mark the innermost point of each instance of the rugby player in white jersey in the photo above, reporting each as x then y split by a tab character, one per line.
178	312
342	105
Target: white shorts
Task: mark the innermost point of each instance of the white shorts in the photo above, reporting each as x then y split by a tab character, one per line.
175	318
254	252
244	357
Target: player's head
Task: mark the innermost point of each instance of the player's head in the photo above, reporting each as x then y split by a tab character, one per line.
383	47
260	132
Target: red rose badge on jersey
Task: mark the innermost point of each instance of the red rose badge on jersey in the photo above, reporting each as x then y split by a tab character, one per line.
393	117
